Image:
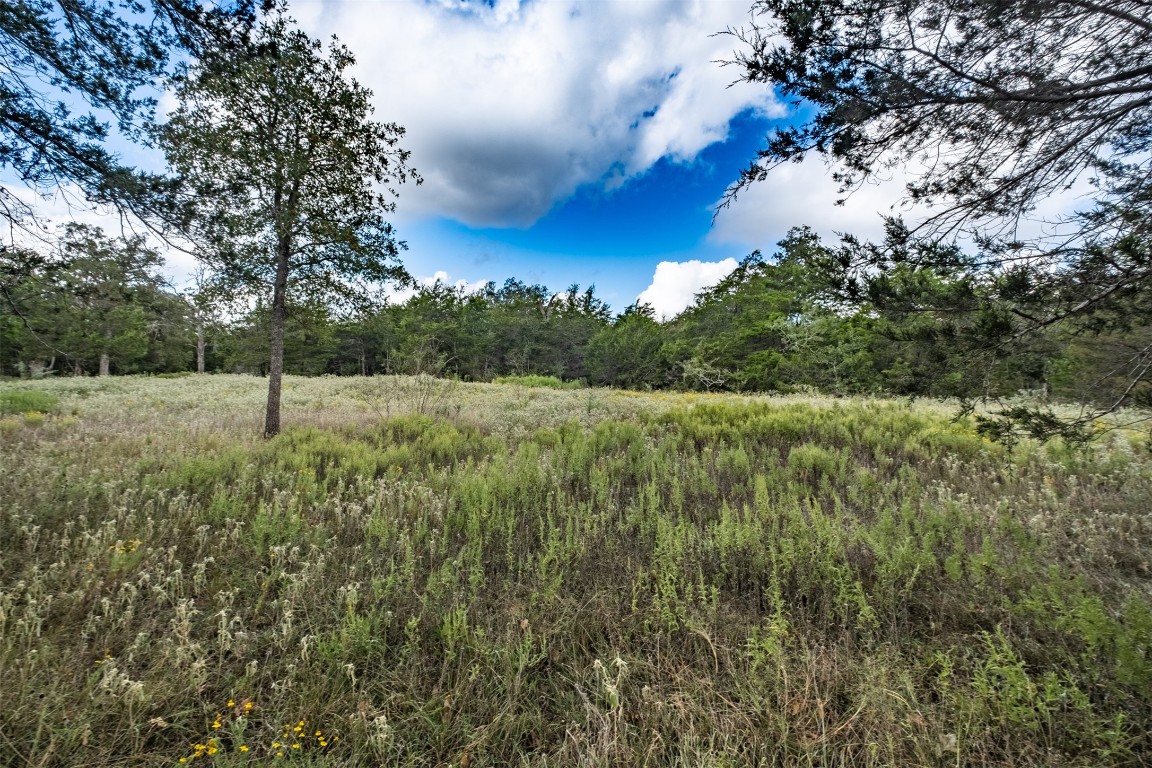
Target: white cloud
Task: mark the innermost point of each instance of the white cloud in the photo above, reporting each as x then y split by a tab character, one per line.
798	194
676	283
510	108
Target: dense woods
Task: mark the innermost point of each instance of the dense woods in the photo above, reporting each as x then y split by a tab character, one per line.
778	323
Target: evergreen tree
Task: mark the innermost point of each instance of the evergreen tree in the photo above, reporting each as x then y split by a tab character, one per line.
991	107
107	56
277	147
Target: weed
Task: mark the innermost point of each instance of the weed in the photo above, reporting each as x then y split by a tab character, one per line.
24	401
461	573
537	381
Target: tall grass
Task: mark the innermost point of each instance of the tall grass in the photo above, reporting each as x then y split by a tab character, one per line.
541	577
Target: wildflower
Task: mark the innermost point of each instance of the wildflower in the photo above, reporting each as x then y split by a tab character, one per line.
243	747
247	706
275	745
231	703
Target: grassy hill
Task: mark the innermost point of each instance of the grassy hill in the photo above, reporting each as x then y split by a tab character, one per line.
426	573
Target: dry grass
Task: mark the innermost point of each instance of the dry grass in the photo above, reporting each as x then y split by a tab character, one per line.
422	572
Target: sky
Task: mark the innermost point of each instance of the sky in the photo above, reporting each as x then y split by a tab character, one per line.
576	142
580	141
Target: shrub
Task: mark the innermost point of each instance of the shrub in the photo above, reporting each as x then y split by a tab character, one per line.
536	381
19	401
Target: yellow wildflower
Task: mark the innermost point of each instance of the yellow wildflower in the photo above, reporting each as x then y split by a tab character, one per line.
243	747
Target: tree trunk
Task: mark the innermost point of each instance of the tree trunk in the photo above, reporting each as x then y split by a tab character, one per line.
105	361
276	363
200	344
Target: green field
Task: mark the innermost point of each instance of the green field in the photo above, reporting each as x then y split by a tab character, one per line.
426	573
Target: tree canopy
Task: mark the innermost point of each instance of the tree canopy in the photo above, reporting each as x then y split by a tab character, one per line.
989	108
289	177
73	70
98	304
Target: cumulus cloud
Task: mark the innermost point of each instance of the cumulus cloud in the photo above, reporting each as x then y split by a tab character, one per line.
798	194
676	283
510	107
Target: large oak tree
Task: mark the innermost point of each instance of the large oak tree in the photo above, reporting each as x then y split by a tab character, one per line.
289	175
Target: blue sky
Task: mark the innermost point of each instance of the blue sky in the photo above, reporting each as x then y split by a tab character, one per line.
574	141
612	238
578	141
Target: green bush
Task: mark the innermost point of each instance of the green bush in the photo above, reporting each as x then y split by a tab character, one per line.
543	382
28	401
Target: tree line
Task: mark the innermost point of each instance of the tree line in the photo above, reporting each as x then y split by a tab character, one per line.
777	323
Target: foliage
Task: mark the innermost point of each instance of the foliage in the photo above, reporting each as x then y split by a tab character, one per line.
102	55
990	108
1026	96
541	578
276	146
96	304
631	353
19	401
547	382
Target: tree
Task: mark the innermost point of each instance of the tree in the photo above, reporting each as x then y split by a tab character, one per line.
991	107
108	285
276	145
97	302
62	54
630	353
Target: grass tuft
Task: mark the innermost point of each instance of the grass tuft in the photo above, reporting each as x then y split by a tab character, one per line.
413	575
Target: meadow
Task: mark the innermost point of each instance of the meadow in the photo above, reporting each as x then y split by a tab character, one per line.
421	572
